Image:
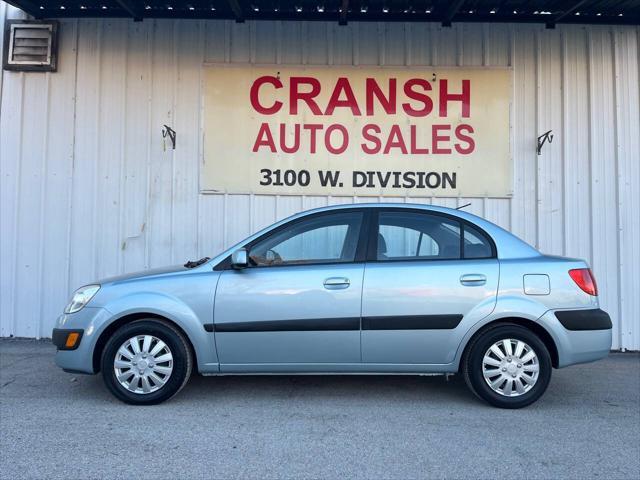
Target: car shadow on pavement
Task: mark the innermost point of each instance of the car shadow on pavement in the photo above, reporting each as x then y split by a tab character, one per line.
328	388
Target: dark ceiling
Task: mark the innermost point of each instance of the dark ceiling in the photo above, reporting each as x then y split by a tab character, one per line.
549	12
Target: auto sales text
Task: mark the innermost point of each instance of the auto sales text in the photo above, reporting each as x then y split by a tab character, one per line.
411	100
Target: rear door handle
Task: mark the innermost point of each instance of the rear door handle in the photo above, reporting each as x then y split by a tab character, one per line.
336	283
473	279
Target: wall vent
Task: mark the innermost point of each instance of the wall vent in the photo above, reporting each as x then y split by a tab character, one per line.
30	46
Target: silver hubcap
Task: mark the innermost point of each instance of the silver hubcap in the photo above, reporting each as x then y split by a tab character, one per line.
143	364
510	367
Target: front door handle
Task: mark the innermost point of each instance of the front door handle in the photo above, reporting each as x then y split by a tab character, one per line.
336	283
473	279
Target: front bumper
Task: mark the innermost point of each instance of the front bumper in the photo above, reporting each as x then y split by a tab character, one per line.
91	321
60	338
580	336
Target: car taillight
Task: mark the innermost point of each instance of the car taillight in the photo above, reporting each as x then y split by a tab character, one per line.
585	280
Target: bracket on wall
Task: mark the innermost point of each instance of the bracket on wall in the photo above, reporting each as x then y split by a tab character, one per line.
167	131
542	139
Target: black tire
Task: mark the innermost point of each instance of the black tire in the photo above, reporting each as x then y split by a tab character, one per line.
473	358
182	361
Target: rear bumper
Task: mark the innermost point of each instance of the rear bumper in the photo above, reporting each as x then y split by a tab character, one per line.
581	336
578	320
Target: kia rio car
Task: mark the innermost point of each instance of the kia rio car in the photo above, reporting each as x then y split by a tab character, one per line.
373	288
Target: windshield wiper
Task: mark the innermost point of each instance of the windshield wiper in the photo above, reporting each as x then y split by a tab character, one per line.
197	263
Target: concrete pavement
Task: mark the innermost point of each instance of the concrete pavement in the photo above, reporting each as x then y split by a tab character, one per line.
58	425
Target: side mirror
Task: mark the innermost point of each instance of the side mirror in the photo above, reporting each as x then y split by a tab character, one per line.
240	259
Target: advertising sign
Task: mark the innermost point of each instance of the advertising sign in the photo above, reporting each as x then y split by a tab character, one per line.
357	131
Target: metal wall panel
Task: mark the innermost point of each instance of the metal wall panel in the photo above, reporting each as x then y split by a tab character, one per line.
3	15
90	189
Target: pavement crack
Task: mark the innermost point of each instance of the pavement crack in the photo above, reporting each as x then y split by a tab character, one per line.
9	382
21	359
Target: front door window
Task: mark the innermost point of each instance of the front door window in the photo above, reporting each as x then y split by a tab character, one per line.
323	239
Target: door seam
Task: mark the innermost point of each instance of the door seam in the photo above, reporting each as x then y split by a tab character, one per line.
364	269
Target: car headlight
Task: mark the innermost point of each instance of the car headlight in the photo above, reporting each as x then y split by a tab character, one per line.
81	297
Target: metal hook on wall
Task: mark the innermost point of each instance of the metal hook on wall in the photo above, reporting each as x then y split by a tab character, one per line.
545	137
167	131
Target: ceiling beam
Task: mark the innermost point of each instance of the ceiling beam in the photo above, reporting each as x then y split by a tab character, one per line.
134	11
552	22
237	10
344	8
454	6
27	6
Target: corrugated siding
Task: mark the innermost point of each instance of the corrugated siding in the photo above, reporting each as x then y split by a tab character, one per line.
3	15
88	189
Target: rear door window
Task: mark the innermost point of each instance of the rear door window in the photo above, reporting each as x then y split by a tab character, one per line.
417	236
425	236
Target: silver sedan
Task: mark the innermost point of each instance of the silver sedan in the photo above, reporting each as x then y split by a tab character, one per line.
372	288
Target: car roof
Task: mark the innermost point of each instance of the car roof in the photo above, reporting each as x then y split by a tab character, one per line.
508	245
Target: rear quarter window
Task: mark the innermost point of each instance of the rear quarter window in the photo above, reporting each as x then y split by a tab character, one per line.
476	244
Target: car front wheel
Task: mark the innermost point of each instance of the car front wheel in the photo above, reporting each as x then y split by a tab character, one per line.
146	362
508	366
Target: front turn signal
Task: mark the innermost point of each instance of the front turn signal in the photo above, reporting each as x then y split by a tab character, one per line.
72	339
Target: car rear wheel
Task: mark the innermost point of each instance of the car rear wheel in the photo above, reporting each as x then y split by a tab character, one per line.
507	366
146	362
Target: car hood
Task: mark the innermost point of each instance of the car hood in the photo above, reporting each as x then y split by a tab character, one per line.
153	272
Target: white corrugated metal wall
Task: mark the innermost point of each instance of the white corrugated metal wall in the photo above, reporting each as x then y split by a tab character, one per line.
88	190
